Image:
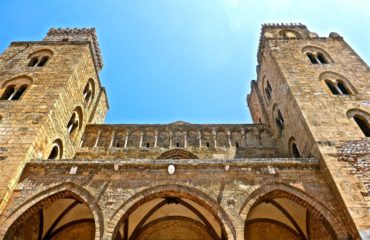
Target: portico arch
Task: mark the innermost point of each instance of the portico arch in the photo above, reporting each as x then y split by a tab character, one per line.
289	212
55	213
171	205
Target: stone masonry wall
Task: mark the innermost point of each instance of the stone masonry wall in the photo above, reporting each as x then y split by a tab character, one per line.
30	125
109	186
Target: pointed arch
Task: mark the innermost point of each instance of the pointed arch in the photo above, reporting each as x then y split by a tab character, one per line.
43	198
274	190
172	191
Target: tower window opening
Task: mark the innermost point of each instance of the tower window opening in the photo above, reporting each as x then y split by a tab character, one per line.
18	94
72	124
147	145
54	154
43	61
177	144
321	58
38	61
268	90
8	93
363	124
332	87
33	62
312	58
295	151
207	144
236	144
279	121
342	88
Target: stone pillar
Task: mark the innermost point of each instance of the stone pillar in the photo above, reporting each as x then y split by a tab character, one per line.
200	139
214	134
126	138
112	140
155	138
185	139
170	134
97	139
141	139
228	137
244	142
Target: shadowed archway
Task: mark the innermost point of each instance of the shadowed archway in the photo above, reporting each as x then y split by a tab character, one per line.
155	213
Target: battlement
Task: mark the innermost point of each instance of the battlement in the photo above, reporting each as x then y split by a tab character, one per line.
78	34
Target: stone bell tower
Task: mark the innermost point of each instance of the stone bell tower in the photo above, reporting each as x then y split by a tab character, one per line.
314	93
49	91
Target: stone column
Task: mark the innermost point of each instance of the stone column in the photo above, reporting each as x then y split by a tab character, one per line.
112	140
155	138
170	134
141	139
126	138
200	139
244	142
214	134
228	137
97	139
185	139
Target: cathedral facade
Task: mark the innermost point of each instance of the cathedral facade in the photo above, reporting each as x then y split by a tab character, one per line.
300	171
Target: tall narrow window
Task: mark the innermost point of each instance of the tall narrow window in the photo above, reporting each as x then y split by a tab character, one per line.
321	58
19	92
295	151
279	121
363	124
73	124
54	154
43	61
56	150
342	88
312	58
88	92
268	90
8	93
33	62
332	87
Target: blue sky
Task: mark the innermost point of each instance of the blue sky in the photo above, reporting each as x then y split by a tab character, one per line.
190	60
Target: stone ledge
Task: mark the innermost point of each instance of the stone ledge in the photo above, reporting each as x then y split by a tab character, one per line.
251	162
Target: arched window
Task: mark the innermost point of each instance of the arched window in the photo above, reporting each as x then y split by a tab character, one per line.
287	33
279	121
293	148
8	93
316	55
268	90
88	92
75	122
337	84
56	150
312	58
317	58
14	89
332	87
363	124
33	62
362	120
39	58
295	151
342	87
321	58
